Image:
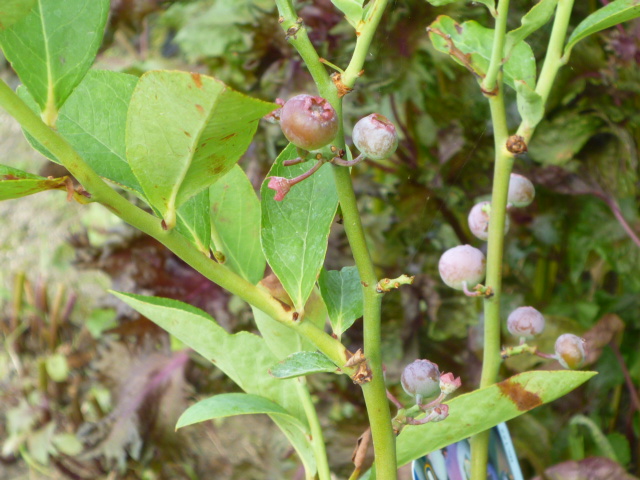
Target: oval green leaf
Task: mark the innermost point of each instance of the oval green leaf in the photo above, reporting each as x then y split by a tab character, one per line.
303	363
184	132
231	404
342	293
612	14
53	46
235	223
535	18
295	230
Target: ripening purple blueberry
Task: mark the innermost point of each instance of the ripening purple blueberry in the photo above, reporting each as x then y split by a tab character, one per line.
521	191
375	136
308	122
421	379
525	322
462	265
570	351
479	220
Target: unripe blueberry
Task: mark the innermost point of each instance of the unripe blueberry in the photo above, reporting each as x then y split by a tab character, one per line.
462	264
479	220
521	191
421	379
308	122
570	351
526	322
375	136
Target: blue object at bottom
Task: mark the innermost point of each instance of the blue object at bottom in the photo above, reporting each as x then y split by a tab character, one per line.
454	461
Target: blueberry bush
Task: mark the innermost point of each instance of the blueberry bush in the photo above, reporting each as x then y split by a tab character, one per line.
384	135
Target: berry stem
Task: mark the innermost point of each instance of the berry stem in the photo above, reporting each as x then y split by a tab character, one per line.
347	163
306	174
295	161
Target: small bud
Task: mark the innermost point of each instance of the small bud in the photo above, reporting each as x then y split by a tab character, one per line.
570	351
438	413
449	384
521	191
462	265
479	220
375	136
308	122
281	185
421	379
525	322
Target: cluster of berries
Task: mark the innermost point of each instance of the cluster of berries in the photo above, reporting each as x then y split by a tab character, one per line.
464	267
311	123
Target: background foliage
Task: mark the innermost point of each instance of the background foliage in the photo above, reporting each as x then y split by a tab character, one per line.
567	254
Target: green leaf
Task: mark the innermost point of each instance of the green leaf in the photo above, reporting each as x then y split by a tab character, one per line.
484	408
93	120
15	183
184	132
13	10
52	48
530	105
352	10
302	363
194	221
342	293
281	339
612	14
235	218
556	142
469	44
295	230
535	18
229	405
243	357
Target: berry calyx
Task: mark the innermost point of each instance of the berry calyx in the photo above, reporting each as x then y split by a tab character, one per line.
479	220
521	191
308	122
462	267
570	351
375	136
449	383
421	379
525	322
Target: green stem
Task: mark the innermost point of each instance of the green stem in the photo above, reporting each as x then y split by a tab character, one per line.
374	391
302	44
491	356
365	31
149	224
317	438
553	61
490	81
